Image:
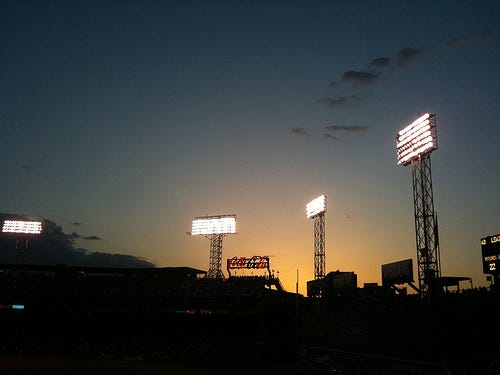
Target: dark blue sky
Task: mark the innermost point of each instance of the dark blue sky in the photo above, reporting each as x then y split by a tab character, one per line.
132	117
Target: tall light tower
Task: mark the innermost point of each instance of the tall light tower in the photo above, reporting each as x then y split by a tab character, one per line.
23	229
415	144
215	228
316	210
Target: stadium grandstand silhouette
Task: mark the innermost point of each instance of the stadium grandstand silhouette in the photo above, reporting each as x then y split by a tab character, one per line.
177	314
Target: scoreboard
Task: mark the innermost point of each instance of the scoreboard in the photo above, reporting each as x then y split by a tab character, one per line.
490	250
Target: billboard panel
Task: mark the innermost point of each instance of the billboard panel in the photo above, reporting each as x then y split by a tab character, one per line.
397	272
490	250
342	280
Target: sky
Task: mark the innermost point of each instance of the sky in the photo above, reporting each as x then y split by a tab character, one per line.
121	121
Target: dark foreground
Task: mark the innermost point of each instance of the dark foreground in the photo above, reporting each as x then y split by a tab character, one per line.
83	366
67	320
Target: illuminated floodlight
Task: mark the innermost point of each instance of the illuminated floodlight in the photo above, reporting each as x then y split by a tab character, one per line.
21	226
416	139
316	206
221	224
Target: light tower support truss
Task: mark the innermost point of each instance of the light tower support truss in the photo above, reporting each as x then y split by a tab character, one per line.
319	246
426	230
215	267
22	250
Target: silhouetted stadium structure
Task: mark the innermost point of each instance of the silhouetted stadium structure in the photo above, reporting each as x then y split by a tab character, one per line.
167	313
178	314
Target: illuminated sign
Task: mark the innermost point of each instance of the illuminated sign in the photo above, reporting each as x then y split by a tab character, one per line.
397	272
316	207
490	250
416	139
220	224
21	226
255	262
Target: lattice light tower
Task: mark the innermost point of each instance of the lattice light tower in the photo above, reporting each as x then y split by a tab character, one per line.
215	228
415	144
316	210
23	229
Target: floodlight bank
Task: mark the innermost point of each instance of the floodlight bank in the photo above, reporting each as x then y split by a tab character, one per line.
416	139
316	206
214	225
21	226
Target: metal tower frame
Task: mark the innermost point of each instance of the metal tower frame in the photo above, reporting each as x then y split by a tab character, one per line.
22	250
215	268
319	246
426	230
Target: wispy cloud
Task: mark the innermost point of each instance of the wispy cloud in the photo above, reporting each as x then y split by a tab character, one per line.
380	62
328	132
461	40
488	34
331	136
348	129
457	41
76	236
407	55
380	68
344	100
354	76
299	131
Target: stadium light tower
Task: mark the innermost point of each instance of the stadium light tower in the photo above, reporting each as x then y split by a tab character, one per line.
23	229
415	144
214	228
316	210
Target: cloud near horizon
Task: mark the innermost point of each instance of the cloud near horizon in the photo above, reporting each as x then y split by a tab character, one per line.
53	246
